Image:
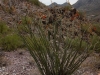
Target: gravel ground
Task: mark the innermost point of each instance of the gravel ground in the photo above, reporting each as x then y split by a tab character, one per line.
20	62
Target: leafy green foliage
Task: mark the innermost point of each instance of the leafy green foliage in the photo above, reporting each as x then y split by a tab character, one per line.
11	42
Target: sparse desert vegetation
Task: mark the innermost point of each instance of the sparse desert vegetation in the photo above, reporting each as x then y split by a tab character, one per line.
50	41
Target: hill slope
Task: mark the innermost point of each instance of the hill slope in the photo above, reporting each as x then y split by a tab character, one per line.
13	10
55	4
91	7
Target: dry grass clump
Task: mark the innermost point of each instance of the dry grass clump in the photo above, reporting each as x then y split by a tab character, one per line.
9	40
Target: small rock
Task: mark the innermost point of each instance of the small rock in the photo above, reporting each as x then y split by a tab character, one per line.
3	68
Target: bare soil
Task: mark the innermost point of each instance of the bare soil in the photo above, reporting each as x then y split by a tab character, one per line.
20	62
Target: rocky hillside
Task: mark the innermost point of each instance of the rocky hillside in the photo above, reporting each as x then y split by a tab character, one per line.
68	21
13	10
91	7
55	4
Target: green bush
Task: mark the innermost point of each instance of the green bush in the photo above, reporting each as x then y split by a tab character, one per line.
11	42
85	28
26	20
35	2
0	40
3	27
95	43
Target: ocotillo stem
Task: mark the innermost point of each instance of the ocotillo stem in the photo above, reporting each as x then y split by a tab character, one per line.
51	1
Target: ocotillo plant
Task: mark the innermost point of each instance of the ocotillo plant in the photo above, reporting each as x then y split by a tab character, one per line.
53	56
51	1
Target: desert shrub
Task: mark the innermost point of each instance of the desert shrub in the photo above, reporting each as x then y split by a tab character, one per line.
11	42
69	7
26	20
0	40
81	13
23	25
97	26
53	56
85	28
95	43
75	43
91	28
23	29
3	27
35	2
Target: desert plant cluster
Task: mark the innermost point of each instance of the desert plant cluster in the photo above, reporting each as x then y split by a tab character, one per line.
59	39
